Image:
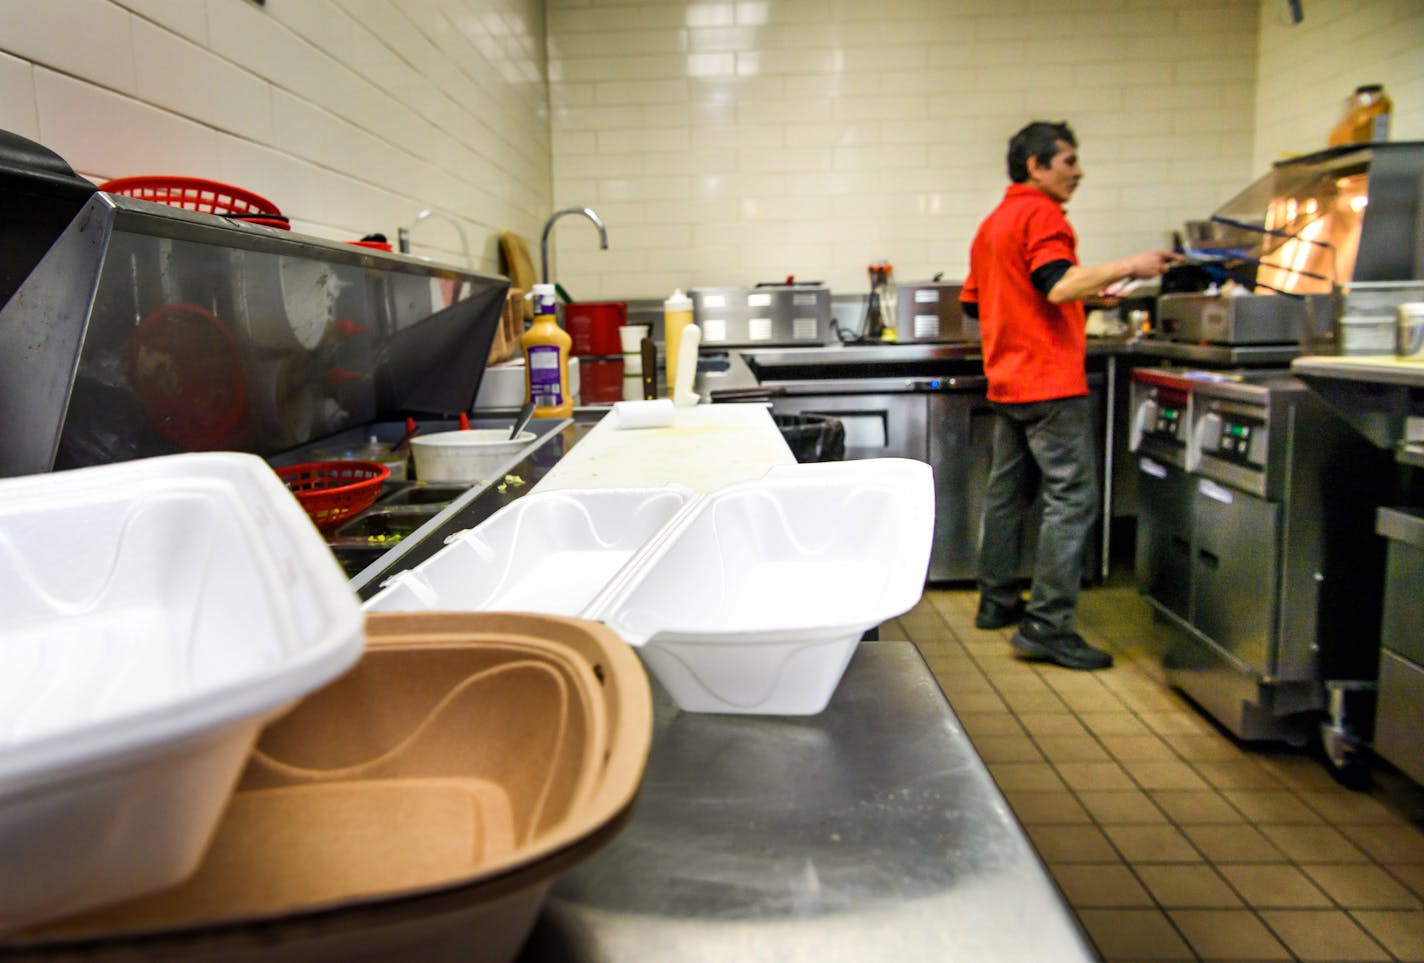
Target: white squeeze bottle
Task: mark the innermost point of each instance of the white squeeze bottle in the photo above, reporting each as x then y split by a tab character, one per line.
546	358
677	314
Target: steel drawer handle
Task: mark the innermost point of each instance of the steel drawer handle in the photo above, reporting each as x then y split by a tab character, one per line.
1209	559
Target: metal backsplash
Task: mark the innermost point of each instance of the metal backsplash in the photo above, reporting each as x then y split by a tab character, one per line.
147	329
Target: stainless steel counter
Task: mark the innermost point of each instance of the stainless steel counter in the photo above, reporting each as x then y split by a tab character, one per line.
1382	397
869	832
1384	369
1216	355
785	361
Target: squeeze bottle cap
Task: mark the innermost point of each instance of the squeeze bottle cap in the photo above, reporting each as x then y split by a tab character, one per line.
544	298
678	302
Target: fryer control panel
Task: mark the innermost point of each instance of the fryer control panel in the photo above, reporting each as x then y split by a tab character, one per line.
1236	438
1159	415
1168	423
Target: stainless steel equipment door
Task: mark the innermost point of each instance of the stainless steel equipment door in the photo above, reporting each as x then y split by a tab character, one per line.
1164	535
961	447
1235	572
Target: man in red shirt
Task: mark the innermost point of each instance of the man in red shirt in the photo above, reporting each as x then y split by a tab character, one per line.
1025	286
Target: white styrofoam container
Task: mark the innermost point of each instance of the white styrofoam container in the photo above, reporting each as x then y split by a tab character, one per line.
548	552
472	455
754	598
157	613
749	599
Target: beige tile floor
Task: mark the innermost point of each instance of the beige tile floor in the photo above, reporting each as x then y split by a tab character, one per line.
1170	840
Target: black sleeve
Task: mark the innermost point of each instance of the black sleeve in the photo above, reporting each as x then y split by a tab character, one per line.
970	309
1050	274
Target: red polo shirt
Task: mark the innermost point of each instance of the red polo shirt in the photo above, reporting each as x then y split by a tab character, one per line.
1034	350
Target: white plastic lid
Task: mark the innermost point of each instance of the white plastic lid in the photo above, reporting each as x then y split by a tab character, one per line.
678	302
544	298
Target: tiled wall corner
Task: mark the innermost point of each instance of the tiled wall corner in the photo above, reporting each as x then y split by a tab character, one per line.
350	116
1307	70
17	106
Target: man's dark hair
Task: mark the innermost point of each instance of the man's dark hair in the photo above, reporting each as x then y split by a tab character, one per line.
1039	139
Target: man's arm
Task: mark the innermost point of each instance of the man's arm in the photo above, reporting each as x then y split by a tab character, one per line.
1079	282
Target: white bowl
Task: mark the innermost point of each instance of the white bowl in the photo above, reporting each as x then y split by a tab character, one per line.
157	614
476	455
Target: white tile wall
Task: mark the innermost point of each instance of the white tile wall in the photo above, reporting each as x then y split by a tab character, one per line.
17	106
722	141
350	115
1308	70
811	137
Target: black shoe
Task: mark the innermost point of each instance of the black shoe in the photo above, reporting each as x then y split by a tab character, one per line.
993	615
1063	648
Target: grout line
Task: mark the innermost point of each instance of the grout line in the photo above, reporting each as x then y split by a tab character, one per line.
1293	791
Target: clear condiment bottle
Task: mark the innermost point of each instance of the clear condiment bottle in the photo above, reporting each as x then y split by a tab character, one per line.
546	358
1367	116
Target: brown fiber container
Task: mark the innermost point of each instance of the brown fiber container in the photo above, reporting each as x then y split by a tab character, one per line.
419	807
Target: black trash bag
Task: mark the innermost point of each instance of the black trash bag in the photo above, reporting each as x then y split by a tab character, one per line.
813	437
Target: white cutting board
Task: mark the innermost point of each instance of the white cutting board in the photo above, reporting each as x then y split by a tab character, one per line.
706	447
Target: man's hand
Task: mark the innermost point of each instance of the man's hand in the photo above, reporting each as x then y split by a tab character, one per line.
1148	264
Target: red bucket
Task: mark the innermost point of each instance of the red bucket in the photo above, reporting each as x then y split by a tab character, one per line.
594	325
600	382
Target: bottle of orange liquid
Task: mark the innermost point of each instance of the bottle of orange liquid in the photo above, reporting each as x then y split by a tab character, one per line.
546	358
1367	115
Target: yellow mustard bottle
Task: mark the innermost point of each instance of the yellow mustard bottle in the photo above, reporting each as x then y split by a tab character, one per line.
677	314
546	358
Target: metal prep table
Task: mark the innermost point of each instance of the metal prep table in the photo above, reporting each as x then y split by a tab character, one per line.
871	831
1384	400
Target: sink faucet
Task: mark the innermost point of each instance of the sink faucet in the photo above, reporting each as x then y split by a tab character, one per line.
549	226
403	234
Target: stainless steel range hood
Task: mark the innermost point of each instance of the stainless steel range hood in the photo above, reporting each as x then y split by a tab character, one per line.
1300	237
145	329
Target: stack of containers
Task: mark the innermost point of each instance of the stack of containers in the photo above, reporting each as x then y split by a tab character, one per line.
157	614
1369	316
749	599
369	823
630	337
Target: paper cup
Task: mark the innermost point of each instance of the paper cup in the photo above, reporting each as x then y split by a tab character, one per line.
631	336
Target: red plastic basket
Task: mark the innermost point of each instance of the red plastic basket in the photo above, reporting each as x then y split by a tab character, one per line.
333	491
195	194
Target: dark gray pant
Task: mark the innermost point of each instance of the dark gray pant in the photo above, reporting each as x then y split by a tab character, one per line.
1051	442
